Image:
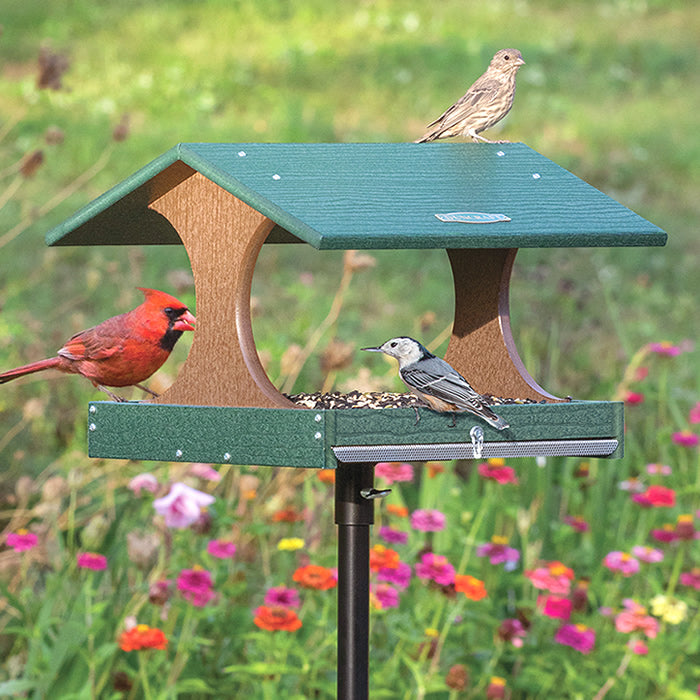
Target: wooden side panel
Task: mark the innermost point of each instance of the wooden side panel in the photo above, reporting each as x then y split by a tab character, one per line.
482	346
223	237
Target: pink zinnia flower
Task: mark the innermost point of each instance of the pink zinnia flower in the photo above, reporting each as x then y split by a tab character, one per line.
555	606
394	471
661	469
428	520
282	597
656	497
498	472
694	415
579	637
204	471
221	549
553	577
399	576
143	482
499	553
577	522
196	586
90	560
512	630
633	485
22	540
625	563
384	596
182	506
665	534
634	398
691	578
436	568
637	646
685	438
634	617
647	554
388	534
666	348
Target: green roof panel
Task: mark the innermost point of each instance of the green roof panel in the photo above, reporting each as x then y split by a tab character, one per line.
381	196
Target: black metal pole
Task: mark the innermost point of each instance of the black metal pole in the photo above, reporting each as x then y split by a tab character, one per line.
354	513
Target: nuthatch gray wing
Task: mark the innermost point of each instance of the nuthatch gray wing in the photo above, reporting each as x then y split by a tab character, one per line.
436	382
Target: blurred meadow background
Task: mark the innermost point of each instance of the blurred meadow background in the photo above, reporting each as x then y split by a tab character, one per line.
92	91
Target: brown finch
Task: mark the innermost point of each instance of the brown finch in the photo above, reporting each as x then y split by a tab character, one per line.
486	102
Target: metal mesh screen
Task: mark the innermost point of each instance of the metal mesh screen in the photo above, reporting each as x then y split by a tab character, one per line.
465	450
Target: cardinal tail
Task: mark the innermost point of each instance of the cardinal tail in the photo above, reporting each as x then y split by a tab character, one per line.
11	374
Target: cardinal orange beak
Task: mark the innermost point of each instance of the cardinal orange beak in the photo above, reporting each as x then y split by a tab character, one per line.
185	322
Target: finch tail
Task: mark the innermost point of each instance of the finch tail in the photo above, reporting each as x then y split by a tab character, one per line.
51	363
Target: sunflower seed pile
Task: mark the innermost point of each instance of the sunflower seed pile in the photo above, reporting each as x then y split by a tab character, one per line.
377	399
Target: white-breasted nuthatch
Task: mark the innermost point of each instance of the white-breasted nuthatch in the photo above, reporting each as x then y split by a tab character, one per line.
436	382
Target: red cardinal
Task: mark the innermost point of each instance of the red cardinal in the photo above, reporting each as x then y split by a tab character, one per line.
123	350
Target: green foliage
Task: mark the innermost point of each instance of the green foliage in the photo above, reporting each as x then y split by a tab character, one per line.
608	92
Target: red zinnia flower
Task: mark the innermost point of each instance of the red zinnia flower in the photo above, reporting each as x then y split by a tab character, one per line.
473	588
276	618
313	576
142	637
656	496
381	557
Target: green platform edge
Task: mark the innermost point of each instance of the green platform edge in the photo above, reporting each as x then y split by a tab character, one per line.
305	437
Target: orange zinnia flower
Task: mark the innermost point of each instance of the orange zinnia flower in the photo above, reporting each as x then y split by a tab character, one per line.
399	511
381	557
327	476
275	617
473	588
142	637
313	576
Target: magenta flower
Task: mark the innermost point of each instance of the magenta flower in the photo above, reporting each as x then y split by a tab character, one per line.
634	398
143	482
649	555
665	348
579	637
394	471
182	506
691	578
513	631
221	549
384	596
498	472
694	415
22	540
577	522
685	438
634	617
204	471
388	534
90	560
436	568
656	497
499	553
196	586
282	597
665	534
400	576
555	606
428	520
625	563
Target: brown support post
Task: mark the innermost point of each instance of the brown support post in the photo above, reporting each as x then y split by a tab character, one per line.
482	346
223	237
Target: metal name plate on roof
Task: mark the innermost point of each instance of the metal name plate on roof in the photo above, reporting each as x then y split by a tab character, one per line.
373	196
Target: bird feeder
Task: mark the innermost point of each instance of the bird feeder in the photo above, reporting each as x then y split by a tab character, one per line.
478	202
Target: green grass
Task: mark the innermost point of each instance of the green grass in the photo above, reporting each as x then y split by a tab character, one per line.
609	92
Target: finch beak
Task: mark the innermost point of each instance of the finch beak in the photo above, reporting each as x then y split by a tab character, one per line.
185	322
519	62
371	349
